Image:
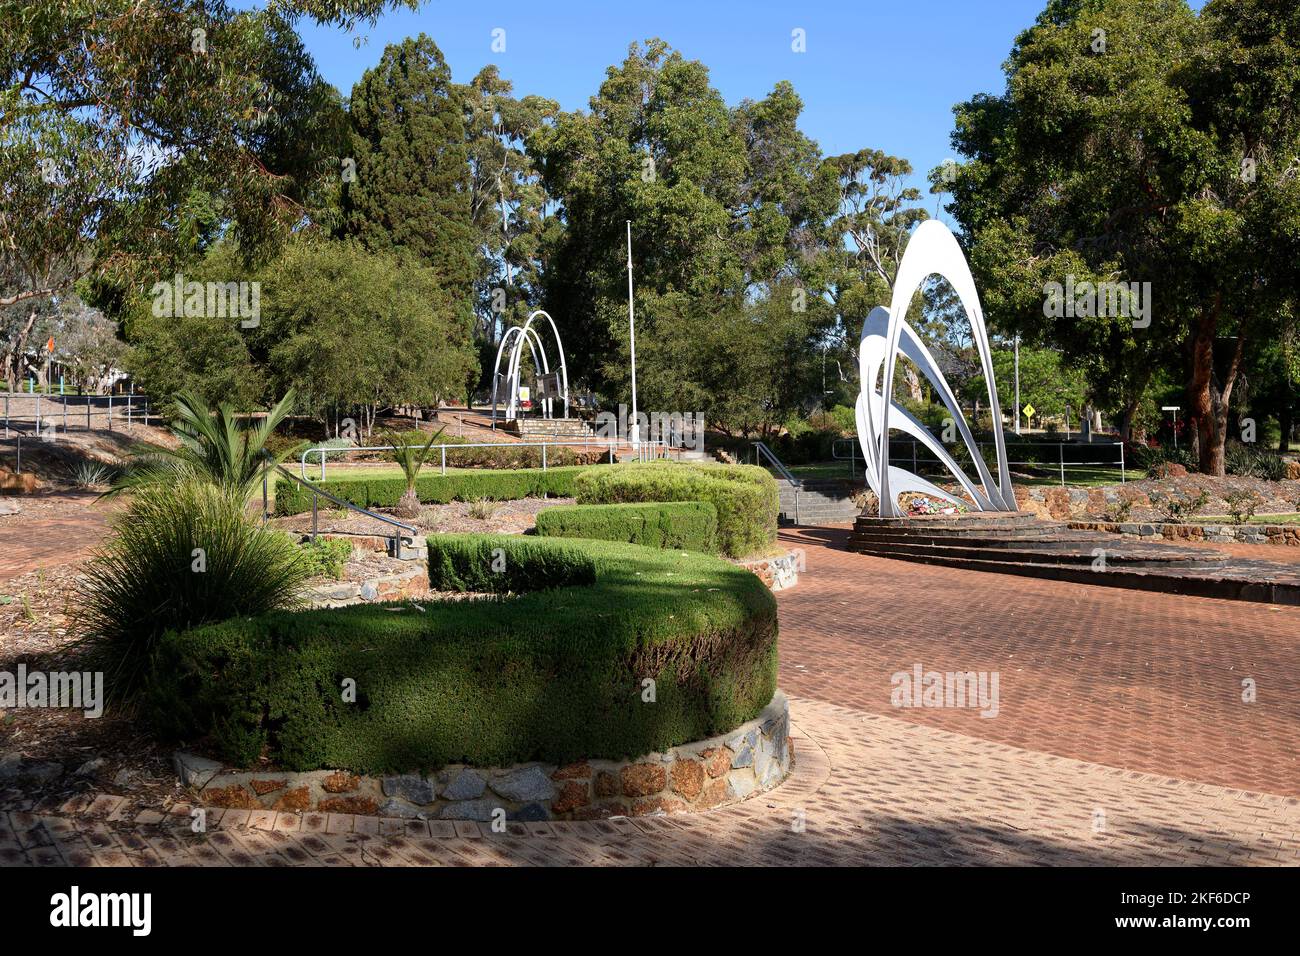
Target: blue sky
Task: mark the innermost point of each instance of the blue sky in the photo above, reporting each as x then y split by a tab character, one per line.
883	74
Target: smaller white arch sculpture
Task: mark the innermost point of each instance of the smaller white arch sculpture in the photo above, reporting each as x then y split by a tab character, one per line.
514	340
932	250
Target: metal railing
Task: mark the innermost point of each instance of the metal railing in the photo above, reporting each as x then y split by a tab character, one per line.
49	413
645	451
318	493
761	451
855	455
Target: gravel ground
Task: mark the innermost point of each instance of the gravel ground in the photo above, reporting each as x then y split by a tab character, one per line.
55	754
508	517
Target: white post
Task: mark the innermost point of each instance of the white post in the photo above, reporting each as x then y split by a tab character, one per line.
631	324
1017	384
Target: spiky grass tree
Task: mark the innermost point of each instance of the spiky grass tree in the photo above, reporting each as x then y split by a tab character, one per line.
410	456
183	554
215	447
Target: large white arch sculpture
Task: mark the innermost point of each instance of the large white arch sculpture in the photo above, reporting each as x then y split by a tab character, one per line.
515	339
932	250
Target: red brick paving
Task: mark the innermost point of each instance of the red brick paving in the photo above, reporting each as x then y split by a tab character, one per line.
1131	679
47	542
1097	685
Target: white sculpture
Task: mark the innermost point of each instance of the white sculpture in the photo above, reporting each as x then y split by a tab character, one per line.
932	250
515	339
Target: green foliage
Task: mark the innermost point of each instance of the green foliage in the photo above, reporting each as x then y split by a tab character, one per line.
503	485
147	127
1047	382
508	205
181	555
408	453
1155	187
845	419
214	448
477	564
553	673
1143	458
350	328
325	557
726	203
1252	461
1241	505
680	525
744	496
481	509
411	190
1176	507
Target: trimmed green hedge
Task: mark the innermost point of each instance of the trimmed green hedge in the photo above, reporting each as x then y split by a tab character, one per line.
745	496
554	674
292	498
684	525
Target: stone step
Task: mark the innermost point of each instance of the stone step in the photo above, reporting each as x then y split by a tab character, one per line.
1152	557
1240	581
1028	538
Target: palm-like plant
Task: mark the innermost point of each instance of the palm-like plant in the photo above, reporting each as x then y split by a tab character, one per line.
214	447
410	456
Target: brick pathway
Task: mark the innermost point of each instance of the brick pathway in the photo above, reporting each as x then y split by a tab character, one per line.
926	797
51	541
1097	686
1145	681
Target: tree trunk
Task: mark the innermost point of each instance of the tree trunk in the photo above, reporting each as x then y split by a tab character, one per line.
13	361
1126	421
1208	399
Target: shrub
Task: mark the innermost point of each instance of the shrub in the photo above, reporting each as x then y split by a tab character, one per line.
499	455
325	557
291	498
1177	508
409	454
215	446
744	495
481	509
92	474
181	555
1141	457
1253	462
683	525
554	674
1241	505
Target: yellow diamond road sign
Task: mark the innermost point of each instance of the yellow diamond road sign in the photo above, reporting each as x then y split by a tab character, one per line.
1029	411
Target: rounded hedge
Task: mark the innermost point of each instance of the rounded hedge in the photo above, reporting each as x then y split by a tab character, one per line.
745	496
683	525
554	667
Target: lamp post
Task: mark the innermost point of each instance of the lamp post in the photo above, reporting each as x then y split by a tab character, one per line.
631	325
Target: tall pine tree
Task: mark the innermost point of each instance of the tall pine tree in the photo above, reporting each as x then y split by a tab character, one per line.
410	193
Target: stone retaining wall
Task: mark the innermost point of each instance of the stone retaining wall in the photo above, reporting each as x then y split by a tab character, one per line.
1218	533
780	572
387	587
753	758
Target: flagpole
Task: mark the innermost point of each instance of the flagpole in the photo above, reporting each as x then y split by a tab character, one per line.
631	324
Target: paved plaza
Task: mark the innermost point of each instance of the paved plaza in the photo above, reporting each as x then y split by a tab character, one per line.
1121	737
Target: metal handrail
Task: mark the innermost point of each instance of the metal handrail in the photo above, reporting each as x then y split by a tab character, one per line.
646	450
318	492
855	455
762	451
